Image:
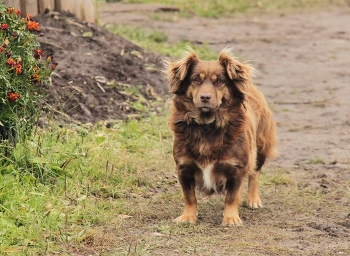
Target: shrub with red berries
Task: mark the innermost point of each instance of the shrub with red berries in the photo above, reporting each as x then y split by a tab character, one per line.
24	71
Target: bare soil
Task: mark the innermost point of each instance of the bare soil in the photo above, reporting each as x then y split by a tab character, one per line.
100	75
302	62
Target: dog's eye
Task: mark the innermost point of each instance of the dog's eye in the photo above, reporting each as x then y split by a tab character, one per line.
196	80
218	82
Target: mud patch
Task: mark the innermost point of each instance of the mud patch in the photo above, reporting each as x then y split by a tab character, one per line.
330	230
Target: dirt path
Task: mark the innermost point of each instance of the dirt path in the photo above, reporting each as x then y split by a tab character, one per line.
303	69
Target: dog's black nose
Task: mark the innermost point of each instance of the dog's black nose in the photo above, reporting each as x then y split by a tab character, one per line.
205	97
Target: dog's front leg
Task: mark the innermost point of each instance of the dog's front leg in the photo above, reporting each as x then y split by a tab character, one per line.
232	200
188	184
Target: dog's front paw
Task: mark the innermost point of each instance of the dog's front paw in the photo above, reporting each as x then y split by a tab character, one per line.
254	202
186	218
232	221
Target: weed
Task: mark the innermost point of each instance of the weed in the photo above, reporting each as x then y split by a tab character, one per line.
320	103
164	17
316	160
301	128
277	177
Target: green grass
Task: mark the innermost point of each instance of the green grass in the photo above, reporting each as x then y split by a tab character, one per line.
98	170
217	8
157	41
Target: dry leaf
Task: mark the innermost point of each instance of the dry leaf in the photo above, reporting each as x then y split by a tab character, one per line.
124	216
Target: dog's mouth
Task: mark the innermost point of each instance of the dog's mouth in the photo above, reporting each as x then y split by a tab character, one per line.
205	109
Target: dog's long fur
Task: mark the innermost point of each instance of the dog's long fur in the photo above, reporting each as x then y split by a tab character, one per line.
223	131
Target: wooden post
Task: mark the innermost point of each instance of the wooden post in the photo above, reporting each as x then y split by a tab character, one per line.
78	9
46	5
29	6
83	9
64	5
12	3
89	11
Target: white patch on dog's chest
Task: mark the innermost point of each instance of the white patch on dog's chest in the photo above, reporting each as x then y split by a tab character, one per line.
208	179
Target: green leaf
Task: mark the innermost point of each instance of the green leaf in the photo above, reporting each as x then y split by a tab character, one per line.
6	221
87	34
100	139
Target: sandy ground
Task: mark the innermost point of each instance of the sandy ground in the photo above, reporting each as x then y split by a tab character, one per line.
302	63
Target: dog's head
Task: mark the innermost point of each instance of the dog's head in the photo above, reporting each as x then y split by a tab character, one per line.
209	84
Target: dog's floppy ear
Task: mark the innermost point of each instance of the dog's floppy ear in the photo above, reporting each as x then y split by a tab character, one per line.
239	73
176	71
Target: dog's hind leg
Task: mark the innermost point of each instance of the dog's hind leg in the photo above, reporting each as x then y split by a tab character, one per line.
253	197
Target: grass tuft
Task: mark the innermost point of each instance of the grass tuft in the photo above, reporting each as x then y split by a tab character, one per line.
276	177
316	160
156	41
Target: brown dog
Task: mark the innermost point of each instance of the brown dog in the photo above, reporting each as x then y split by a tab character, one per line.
223	131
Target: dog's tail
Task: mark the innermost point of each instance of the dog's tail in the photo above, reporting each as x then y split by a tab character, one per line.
267	137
